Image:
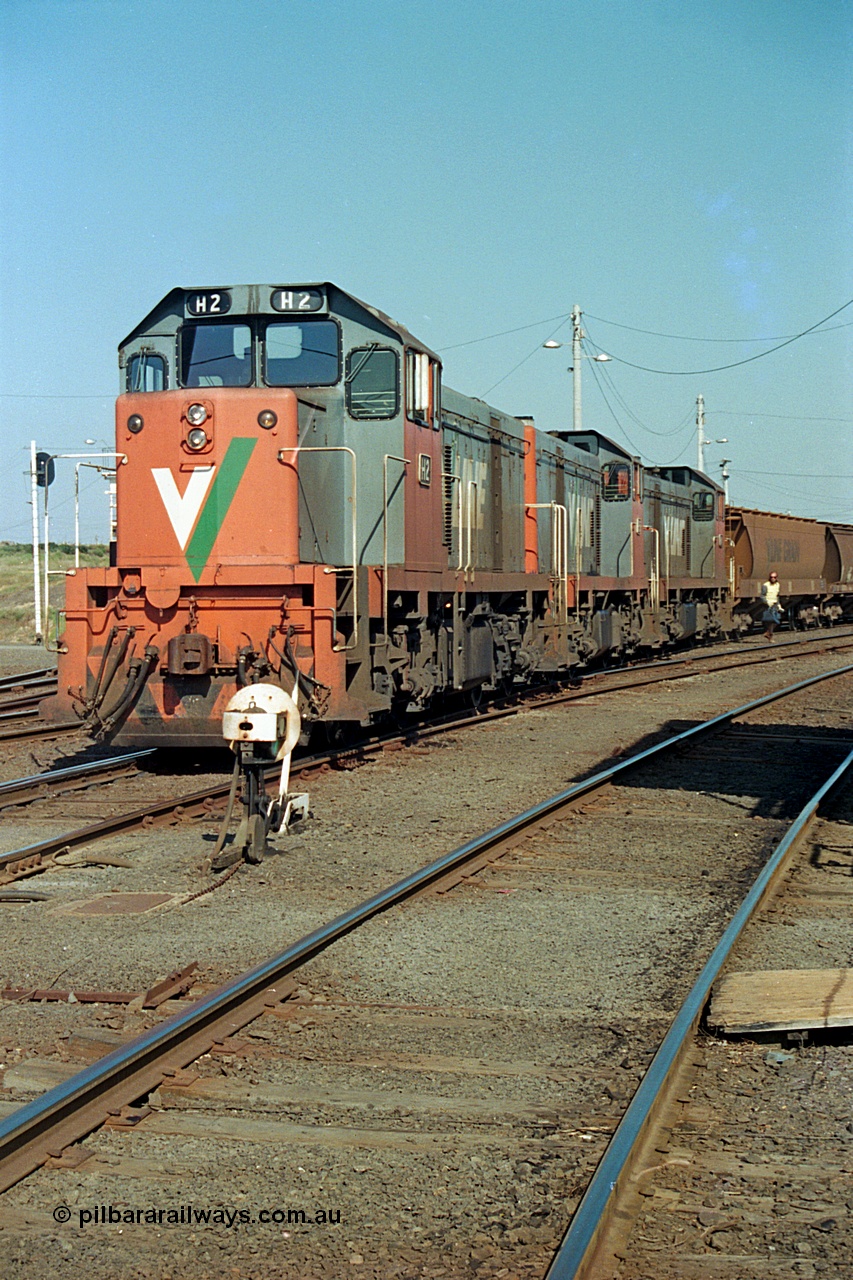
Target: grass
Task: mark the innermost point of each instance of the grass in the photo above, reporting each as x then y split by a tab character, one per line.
17	607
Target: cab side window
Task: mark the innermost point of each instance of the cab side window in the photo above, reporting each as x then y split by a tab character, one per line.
373	382
422	389
146	372
703	505
616	482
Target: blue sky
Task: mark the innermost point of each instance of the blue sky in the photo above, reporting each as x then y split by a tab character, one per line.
681	170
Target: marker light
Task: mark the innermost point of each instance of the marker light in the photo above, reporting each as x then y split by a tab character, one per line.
267	419
196	414
135	423
197	438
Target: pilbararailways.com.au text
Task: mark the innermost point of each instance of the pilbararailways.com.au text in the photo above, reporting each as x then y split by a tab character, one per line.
187	1215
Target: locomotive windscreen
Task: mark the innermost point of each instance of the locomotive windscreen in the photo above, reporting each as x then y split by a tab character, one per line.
302	355
294	354
216	355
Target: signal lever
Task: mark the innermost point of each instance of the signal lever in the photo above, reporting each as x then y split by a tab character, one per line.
262	725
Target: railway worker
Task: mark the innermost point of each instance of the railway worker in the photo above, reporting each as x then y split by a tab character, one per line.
770	595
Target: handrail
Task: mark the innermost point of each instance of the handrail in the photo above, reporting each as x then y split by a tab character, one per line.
654	577
339	448
578	562
388	457
559	552
470	491
120	460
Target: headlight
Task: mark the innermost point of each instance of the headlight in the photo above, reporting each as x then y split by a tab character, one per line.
135	423
196	415
197	438
267	419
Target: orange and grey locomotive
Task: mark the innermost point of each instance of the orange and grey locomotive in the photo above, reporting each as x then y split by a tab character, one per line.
302	503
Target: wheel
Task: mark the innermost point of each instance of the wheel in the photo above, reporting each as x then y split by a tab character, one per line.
474	697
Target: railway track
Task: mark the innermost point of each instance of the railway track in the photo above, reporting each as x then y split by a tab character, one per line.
20	695
683	1143
203	804
553	1115
71	778
680	666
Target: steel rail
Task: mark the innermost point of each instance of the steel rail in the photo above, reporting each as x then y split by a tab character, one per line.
29	679
695	659
43	731
663	669
32	859
69	1111
76	772
26	697
19	710
579	1253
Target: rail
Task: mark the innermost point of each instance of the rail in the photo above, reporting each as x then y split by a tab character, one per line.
14	791
579	1255
69	1111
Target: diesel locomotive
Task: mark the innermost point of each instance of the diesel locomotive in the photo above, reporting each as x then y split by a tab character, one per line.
302	502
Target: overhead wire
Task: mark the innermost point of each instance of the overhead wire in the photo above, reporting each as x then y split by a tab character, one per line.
681	337
801	475
608	378
735	364
639	452
505	332
788	417
678	457
529	356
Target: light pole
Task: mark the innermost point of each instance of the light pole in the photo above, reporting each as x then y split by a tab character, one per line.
575	370
724	464
701	438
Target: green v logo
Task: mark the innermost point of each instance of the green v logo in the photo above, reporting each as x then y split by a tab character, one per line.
182	511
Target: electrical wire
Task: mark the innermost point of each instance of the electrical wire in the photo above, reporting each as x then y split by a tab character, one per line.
834	475
693	373
504	332
787	417
529	356
678	457
608	378
680	337
634	448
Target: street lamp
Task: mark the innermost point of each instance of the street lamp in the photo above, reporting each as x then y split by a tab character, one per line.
724	465
701	438
575	369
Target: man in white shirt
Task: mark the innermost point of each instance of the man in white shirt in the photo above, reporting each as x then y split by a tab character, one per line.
770	595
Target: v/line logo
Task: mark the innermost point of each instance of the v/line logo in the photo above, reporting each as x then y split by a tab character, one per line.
198	514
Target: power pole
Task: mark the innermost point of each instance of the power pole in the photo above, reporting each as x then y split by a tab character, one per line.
701	439
577	334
